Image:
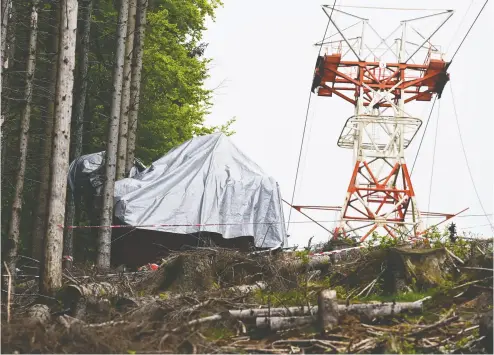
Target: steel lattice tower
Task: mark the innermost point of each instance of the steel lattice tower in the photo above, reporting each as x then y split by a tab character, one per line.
379	81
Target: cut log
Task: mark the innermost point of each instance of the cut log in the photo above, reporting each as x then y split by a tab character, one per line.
39	313
282	323
76	297
292	317
272	312
371	310
328	313
95	290
380	309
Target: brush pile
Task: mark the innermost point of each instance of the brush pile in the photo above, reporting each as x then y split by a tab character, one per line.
399	299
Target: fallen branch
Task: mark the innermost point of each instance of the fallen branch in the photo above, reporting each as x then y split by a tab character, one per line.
471	283
104	324
468	345
423	299
197	306
380	329
67	321
476	268
366	287
441	323
360	344
453	255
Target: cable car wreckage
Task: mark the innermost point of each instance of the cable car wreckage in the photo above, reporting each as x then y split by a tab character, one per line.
206	188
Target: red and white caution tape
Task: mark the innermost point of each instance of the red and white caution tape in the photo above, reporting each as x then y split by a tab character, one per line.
168	225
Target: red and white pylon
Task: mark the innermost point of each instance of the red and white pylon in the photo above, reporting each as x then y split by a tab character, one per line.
379	81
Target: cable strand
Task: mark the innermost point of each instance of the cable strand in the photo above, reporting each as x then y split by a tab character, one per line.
423	135
434	156
305	125
466	35
466	158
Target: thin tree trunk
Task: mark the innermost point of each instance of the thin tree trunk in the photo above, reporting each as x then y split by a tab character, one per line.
104	235
15	221
135	85
10	19
4	17
5	14
45	173
78	116
52	268
125	106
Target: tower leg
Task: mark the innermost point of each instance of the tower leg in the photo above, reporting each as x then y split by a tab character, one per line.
380	198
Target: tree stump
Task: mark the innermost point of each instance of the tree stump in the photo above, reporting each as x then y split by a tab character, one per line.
327	312
39	313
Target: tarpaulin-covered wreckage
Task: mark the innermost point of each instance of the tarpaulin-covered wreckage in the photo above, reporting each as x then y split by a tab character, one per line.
205	190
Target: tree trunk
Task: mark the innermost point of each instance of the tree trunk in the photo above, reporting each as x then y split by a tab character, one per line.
9	20
78	116
45	173
124	107
15	221
5	13
104	235
4	17
52	268
135	85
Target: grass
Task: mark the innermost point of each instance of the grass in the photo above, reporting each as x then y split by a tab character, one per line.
217	333
401	297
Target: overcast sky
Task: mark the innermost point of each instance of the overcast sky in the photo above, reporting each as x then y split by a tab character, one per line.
263	60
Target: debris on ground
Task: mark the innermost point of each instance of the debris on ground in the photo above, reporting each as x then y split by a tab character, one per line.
399	299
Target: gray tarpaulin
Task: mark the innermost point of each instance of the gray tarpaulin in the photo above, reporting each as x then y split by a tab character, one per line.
206	180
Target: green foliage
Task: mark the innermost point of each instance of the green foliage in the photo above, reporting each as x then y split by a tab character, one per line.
384	242
460	247
174	101
217	333
400	297
407	348
172	106
294	297
303	255
341	292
